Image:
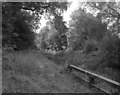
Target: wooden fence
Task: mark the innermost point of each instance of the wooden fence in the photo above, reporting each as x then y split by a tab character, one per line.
93	76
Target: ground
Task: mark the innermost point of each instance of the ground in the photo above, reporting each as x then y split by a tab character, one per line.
29	71
90	62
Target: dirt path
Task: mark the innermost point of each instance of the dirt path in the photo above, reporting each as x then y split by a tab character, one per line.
42	76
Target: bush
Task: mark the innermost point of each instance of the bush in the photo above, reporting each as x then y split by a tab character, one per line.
89	46
109	46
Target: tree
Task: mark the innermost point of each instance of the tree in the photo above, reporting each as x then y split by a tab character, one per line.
84	27
55	30
61	38
109	12
54	33
19	18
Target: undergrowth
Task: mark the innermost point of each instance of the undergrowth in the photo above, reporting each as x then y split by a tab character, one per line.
93	61
19	72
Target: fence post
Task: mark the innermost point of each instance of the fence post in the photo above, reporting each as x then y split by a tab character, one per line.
118	90
68	68
91	81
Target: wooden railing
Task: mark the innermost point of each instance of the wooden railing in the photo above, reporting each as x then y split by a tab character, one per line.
93	76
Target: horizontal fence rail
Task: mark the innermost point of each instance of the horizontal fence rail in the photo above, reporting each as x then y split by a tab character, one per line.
92	77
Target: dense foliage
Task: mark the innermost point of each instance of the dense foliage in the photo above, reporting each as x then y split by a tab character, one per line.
97	29
19	19
88	31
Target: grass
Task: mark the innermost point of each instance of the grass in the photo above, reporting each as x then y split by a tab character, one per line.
30	72
19	83
57	58
91	61
20	71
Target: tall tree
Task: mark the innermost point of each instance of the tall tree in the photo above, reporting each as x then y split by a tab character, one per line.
61	38
109	12
84	26
20	17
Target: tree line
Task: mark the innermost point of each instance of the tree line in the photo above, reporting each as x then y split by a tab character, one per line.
94	30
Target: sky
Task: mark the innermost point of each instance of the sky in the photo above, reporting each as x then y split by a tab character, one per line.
74	5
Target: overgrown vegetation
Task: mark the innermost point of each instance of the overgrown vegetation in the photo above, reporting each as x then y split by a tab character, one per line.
110	47
90	40
20	19
93	41
90	46
18	73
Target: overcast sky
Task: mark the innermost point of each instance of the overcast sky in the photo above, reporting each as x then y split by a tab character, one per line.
74	5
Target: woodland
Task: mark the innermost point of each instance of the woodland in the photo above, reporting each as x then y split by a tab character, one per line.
91	39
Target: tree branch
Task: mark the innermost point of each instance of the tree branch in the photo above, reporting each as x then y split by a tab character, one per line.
26	8
103	10
113	10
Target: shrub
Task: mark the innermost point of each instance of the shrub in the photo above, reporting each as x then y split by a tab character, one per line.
109	46
89	46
